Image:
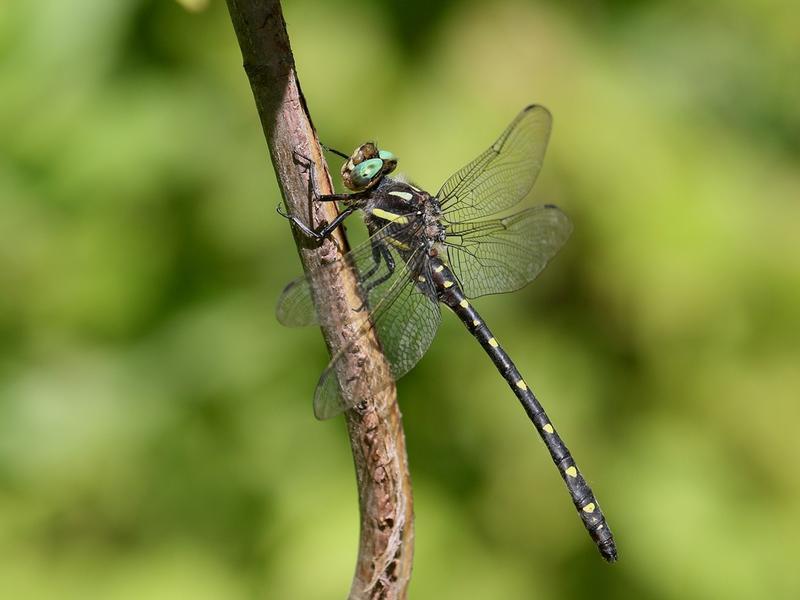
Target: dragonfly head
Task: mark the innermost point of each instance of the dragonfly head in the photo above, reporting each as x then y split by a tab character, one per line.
367	166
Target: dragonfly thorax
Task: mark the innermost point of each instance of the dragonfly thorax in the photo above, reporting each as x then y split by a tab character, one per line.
433	230
406	216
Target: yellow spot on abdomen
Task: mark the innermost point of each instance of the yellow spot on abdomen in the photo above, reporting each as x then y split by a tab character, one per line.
493	343
439	269
522	385
589	508
548	428
571	471
463	304
448	284
420	278
476	322
388	216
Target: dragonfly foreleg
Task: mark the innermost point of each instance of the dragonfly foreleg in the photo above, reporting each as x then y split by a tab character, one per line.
311	169
322	232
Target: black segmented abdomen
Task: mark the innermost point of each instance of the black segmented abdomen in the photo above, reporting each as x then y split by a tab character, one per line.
586	504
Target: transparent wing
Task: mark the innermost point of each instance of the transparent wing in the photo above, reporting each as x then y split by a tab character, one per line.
295	305
405	316
504	174
503	255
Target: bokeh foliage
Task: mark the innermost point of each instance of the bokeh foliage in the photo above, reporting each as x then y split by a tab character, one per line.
156	437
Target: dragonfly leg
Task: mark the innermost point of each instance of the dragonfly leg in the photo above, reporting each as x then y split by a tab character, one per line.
322	232
310	168
377	255
326	229
378	251
387	256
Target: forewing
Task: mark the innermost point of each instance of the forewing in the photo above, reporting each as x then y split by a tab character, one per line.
503	255
405	319
504	174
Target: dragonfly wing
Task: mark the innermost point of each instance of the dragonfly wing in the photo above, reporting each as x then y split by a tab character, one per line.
295	305
404	316
504	174
503	255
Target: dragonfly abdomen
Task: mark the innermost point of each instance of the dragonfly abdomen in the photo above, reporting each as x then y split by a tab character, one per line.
450	294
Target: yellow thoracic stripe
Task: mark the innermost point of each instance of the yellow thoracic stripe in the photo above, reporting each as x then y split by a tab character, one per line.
403	195
387	216
398	244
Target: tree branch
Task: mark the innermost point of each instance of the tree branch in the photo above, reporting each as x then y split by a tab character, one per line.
375	427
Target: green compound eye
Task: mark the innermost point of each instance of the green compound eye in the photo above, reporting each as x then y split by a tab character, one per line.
364	172
389	160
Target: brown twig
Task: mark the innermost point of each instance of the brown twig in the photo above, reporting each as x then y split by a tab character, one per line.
375	427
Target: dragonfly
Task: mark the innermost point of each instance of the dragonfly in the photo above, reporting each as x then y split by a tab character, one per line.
426	250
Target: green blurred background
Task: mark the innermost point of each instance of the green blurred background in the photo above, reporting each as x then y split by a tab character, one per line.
156	434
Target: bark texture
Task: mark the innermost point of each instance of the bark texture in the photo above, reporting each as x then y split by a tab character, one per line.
383	567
